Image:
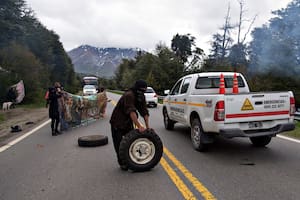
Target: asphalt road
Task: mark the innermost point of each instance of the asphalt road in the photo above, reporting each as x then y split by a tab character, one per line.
45	167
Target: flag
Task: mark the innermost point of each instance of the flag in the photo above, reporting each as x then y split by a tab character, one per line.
20	91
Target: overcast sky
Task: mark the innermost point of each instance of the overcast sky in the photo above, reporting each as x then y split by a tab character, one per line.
141	23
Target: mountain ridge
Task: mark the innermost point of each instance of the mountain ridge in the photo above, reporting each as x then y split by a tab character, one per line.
102	62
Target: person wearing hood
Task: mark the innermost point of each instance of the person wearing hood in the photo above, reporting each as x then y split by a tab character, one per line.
125	115
55	93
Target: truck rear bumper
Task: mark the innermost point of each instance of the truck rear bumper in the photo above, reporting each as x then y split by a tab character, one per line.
230	133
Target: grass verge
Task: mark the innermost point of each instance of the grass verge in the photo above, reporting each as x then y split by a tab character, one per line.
116	91
39	104
2	118
294	133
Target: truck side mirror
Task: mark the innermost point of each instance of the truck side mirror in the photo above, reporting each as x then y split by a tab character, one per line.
166	92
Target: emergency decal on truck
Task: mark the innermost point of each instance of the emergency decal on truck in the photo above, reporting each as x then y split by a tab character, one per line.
247	105
269	104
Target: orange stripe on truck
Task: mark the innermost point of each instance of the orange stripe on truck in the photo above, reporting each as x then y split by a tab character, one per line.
185	103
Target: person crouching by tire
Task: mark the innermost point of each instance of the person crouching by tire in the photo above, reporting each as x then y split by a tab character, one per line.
125	115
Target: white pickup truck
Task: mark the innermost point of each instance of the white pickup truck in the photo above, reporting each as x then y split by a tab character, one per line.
195	101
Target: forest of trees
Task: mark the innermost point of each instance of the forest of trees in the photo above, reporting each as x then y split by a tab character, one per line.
30	52
270	61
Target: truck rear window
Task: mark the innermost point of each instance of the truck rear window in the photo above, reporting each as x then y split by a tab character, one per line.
214	82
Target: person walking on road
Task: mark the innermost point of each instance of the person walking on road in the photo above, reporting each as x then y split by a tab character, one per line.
53	99
125	115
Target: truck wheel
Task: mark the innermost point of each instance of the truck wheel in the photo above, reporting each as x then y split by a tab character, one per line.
197	135
169	124
140	151
92	140
261	141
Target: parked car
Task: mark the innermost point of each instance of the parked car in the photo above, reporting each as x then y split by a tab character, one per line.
89	90
151	97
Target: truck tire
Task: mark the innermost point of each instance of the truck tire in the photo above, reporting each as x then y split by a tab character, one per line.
140	151
169	124
92	140
260	141
197	135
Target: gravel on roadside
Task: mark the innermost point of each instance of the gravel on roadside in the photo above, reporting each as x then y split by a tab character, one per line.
26	118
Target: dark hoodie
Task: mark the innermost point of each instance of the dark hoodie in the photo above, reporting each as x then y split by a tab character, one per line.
132	100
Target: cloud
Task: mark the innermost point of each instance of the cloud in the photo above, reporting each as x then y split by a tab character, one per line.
136	23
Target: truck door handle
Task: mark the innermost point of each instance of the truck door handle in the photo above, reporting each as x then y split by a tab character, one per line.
184	99
175	99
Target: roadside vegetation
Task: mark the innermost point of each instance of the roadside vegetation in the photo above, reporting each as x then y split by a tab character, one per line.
39	104
32	53
270	60
2	118
295	133
116	91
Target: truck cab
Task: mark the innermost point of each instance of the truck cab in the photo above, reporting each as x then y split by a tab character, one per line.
198	84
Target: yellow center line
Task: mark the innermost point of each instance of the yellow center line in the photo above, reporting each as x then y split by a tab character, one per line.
197	184
181	186
187	194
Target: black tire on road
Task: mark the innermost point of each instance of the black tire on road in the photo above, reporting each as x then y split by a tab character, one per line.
92	140
169	124
140	151
261	141
197	135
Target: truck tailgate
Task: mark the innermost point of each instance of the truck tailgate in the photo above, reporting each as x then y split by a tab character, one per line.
256	106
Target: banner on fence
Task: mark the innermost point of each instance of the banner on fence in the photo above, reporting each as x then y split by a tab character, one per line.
16	92
77	110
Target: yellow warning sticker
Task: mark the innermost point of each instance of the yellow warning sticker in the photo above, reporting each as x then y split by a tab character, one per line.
247	105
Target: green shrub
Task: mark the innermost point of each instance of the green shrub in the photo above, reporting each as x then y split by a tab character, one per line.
2	118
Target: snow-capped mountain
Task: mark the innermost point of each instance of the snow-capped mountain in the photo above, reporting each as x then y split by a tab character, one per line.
101	62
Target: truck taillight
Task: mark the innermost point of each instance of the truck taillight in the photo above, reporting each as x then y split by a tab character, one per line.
219	111
292	106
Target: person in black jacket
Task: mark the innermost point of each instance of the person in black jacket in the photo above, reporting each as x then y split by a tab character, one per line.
125	116
54	95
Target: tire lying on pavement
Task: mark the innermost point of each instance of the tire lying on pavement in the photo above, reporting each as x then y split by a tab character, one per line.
92	140
140	151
